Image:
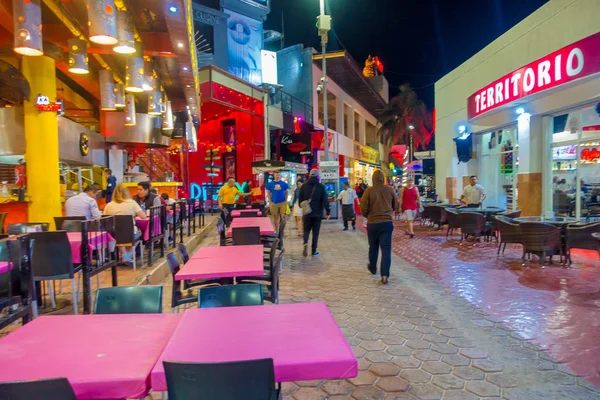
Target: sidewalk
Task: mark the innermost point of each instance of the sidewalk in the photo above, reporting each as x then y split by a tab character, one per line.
414	338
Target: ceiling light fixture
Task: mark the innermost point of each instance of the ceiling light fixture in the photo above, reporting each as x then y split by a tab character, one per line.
180	45
102	21
173	9
185	68
125	36
28	27
78	58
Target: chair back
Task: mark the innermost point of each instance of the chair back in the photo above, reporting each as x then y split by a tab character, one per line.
471	223
51	255
221	228
173	263
2	219
185	257
158	220
437	215
129	300
510	231
16	282
47	389
580	236
230	296
246	235
96	236
248	214
59	221
277	266
272	252
124	229
539	236
25	227
514	214
452	218
248	380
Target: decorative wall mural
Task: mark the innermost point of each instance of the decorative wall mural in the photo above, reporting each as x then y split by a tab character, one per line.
244	45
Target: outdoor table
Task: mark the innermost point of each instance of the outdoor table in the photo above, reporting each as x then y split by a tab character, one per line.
102	356
264	223
303	340
96	239
224	262
557	221
143	225
4	267
238	213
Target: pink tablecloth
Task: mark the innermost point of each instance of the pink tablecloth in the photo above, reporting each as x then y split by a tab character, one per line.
238	213
102	356
264	223
303	340
225	262
4	267
144	226
95	241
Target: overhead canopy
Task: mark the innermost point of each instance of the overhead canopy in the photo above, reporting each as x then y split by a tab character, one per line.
273	165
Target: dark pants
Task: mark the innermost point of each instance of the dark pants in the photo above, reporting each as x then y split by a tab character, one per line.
229	208
348	215
474	205
380	235
312	224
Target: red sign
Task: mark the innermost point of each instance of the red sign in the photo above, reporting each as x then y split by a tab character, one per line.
590	154
318	140
575	61
379	65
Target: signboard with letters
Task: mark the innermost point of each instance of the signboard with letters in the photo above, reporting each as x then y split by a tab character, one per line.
366	154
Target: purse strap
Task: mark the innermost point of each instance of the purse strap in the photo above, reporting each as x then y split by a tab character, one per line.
312	193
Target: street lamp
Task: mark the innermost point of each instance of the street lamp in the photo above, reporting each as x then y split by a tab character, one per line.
324	25
411	126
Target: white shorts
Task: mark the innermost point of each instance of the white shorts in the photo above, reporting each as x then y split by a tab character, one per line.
410	215
297	210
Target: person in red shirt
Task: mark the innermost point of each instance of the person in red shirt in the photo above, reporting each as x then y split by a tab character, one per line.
410	201
21	174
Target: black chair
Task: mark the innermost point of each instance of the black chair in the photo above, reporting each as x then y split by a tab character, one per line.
178	298
473	224
230	296
267	240
248	214
224	240
510	232
124	234
25	227
247	235
157	226
2	219
43	389
183	253
270	279
59	221
16	283
580	237
129	300
51	260
191	215
238	380
541	239
179	213
452	220
187	284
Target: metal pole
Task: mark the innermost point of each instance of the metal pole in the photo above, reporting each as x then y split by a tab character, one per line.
325	105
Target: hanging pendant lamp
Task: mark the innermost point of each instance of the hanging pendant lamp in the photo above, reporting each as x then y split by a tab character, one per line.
134	78
155	103
27	21
119	95
78	58
148	84
130	110
107	90
102	21
125	36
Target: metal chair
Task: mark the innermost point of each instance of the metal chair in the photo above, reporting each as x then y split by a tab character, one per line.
453	221
247	235
129	300
510	232
42	389
178	298
270	277
125	236
16	284
541	239
473	224
248	214
59	221
230	296
183	253
248	380
25	227
157	226
222	229
580	237
2	219
51	260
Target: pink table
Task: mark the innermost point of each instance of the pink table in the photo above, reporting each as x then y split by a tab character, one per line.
102	356
224	262
238	213
95	241
303	340
4	267
264	223
144	226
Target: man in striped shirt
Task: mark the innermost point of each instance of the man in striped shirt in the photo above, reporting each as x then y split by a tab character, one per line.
84	204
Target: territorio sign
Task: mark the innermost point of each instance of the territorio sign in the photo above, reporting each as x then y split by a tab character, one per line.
578	60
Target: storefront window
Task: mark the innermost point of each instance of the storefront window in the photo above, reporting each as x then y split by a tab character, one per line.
499	167
576	164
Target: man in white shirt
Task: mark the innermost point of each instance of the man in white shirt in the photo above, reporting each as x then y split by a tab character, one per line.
84	204
474	194
347	197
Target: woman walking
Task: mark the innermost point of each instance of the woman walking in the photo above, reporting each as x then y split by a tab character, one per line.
410	201
296	209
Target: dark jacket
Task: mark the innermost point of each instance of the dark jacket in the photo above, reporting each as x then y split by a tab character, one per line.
379	202
150	201
319	201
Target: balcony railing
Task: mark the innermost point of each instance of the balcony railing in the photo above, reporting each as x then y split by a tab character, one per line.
291	105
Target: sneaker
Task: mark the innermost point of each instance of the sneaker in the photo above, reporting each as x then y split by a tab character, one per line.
373	271
384	280
345	229
305	250
316	254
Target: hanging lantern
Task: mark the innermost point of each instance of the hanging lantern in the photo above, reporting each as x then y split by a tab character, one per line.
119	95
27	20
155	102
130	110
149	78
107	90
102	21
78	58
135	74
125	36
168	117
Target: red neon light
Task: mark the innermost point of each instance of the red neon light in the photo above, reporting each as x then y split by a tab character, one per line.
590	154
49	107
379	65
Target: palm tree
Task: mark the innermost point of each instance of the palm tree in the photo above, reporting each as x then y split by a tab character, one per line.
405	116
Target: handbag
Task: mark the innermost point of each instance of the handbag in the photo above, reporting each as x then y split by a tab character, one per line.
306	208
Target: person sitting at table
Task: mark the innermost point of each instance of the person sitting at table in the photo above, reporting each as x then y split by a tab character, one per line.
144	197
227	197
84	204
121	204
474	194
168	201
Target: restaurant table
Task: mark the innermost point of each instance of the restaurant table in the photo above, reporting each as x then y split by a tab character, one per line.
143	225
238	213
303	340
96	239
102	356
224	262
556	221
484	210
264	223
4	267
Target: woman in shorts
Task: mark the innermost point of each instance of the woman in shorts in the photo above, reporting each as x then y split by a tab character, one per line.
410	201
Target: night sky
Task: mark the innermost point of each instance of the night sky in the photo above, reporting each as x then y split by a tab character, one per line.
418	41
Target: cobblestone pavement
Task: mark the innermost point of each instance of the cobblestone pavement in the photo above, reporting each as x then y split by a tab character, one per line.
414	338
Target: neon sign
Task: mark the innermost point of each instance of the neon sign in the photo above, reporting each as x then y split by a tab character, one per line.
590	154
43	104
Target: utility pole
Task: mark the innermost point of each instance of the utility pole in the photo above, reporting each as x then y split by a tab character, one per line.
324	25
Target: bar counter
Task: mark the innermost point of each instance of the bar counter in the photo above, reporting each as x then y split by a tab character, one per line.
163	187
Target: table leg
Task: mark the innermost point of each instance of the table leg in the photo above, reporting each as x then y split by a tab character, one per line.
38	293
114	275
87	293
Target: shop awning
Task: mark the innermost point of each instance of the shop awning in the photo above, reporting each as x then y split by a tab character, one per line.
273	165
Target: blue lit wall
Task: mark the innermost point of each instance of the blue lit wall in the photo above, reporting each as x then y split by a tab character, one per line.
294	72
244	45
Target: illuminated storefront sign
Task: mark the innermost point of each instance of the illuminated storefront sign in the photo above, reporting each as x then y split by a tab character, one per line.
590	154
43	104
366	154
576	61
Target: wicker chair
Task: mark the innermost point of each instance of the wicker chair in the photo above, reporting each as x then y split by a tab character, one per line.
453	221
437	216
515	214
425	215
541	239
510	232
473	224
580	237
